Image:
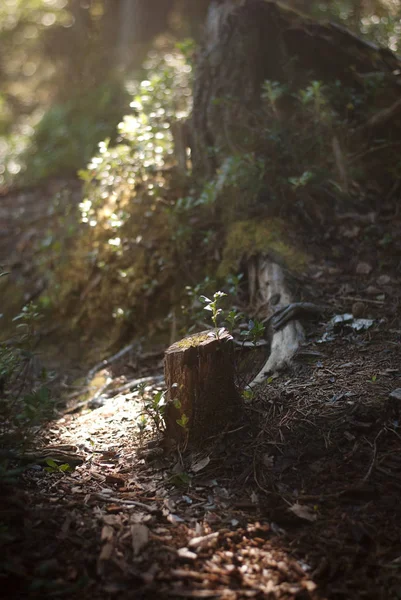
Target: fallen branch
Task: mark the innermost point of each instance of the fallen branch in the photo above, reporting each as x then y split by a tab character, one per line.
135	383
268	286
108	361
384	116
117	500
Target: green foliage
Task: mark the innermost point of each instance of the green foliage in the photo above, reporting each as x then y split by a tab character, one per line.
149	231
127	227
145	139
255	331
302	181
180	480
314	95
233	319
377	21
213	305
247	395
68	134
59	97
272	91
53	467
153	407
183	421
247	238
25	398
24	73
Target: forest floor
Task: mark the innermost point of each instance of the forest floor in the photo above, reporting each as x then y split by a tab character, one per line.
300	499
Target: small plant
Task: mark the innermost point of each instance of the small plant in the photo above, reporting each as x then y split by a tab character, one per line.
180	479
213	305
53	467
233	283
232	319
247	395
302	181
255	331
153	403
27	321
272	91
183	421
25	399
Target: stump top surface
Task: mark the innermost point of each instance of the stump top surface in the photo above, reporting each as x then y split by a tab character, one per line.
199	339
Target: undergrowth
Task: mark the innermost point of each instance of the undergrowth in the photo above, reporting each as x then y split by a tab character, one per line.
150	231
25	398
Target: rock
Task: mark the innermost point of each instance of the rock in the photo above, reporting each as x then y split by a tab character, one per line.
396	394
371	290
363	268
358	309
383	280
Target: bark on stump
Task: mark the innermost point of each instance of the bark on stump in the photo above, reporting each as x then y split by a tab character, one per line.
201	393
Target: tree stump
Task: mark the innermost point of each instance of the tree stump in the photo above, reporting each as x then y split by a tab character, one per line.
201	394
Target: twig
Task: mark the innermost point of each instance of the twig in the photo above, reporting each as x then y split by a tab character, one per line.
383	116
369	472
107	498
85	403
108	361
253	345
366	300
135	382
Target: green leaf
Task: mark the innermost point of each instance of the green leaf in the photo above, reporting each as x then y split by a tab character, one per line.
183	422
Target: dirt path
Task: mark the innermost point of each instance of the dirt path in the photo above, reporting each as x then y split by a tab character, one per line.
298	500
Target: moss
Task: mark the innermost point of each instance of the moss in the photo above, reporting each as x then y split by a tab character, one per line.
193	340
268	236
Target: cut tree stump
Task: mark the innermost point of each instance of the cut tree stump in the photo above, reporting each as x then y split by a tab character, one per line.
201	394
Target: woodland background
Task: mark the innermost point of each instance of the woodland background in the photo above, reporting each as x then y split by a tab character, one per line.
145	176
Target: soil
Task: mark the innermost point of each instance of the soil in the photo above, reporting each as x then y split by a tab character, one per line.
299	499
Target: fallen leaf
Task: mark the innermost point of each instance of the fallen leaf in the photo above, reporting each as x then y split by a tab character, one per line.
203	541
140	537
186	554
363	268
383	280
254	498
200	464
106	551
115	478
303	512
396	394
107	533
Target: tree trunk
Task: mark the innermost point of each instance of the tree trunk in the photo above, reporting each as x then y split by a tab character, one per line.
250	41
201	393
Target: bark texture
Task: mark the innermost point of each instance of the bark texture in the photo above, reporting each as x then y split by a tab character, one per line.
269	289
199	375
